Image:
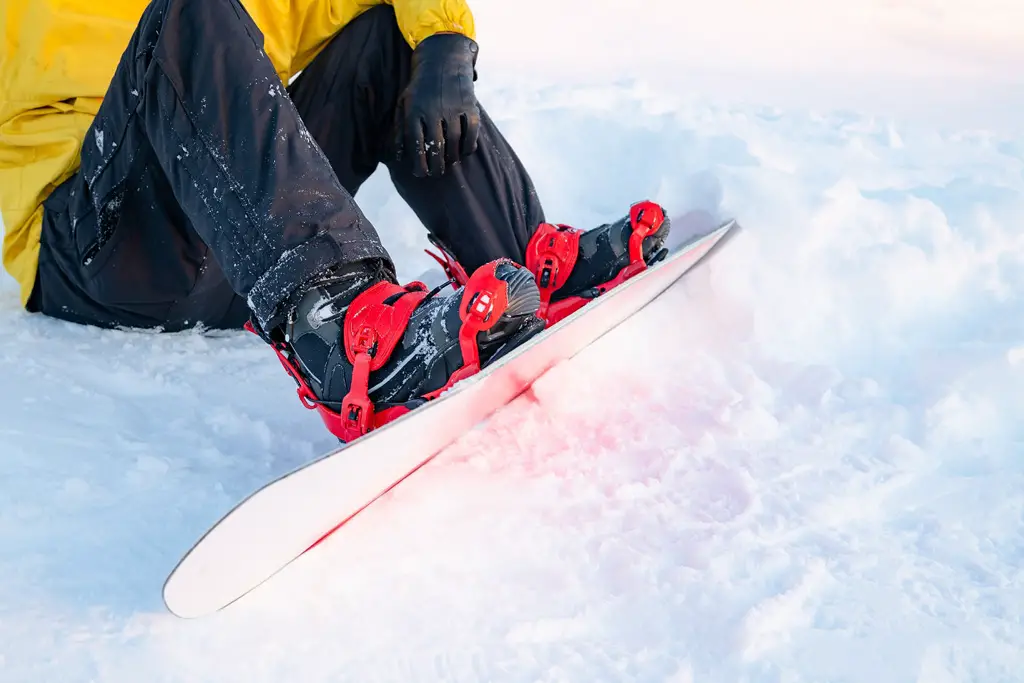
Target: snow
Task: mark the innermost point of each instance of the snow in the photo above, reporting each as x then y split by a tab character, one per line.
803	465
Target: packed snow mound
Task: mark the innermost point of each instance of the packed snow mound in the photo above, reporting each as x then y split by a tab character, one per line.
802	464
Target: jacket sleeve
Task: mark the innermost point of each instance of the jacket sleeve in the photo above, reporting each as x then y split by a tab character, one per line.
420	19
294	31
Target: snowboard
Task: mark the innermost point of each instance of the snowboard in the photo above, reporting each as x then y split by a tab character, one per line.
293	514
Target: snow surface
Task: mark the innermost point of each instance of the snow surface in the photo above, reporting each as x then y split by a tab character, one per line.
803	465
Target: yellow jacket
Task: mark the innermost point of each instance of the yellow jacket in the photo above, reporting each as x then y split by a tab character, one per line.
57	60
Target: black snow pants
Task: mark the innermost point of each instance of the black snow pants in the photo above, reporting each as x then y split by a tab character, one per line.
208	192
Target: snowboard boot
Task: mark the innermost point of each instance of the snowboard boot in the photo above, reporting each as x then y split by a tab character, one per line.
573	267
365	350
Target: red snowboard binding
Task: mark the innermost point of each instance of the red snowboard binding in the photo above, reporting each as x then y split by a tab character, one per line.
496	312
615	253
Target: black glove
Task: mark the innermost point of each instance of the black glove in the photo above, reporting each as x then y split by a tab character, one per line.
438	115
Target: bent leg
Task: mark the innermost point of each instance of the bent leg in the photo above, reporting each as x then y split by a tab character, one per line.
195	88
483	208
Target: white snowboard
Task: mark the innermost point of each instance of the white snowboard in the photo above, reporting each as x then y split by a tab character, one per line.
289	516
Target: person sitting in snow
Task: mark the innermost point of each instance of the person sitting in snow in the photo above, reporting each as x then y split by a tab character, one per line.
156	171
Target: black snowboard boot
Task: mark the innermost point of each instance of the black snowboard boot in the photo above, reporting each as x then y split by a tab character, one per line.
365	350
573	267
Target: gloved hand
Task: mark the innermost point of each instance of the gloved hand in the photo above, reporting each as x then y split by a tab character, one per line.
438	115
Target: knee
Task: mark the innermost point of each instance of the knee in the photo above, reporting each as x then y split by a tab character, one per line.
194	20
